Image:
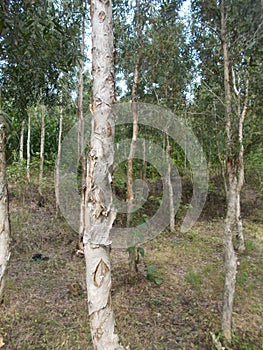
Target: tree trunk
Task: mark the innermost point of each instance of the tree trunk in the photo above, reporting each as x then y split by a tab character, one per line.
28	147
230	254
235	177
81	154
57	172
21	143
169	184
4	214
230	257
240	245
130	195
99	211
144	164
42	146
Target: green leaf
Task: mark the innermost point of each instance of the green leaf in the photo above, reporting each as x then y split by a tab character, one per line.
141	251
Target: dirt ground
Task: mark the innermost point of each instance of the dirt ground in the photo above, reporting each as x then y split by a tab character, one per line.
176	307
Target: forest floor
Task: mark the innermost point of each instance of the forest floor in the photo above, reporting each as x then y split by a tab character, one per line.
45	303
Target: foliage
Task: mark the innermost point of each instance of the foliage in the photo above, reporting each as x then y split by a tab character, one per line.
152	274
38	41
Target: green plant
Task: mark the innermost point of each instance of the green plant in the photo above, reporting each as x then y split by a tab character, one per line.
139	252
152	274
250	246
194	278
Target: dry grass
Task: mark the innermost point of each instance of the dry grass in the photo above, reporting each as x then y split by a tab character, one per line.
45	302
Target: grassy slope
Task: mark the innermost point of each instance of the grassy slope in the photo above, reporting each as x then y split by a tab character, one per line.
45	303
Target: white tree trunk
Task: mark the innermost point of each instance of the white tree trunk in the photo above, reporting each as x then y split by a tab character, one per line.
4	214
28	148
169	184
130	194
235	177
57	172
99	212
42	147
230	255
21	143
230	259
81	154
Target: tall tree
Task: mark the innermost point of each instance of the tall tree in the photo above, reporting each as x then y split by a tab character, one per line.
135	130
98	201
81	154
28	147
42	149
4	214
227	72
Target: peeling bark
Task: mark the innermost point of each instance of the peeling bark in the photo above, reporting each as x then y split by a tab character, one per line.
4	213
233	235
230	260
99	211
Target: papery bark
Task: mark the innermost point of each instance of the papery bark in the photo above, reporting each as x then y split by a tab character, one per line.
99	211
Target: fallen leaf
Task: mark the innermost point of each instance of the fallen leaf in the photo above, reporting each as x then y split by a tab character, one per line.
1	342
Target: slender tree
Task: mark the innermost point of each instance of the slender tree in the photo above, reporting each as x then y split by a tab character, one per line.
57	168
235	175
28	147
169	184
231	32
4	214
21	143
98	201
42	148
135	130
81	153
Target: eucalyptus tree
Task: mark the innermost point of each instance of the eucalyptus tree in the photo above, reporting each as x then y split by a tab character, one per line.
166	64
38	42
225	59
5	249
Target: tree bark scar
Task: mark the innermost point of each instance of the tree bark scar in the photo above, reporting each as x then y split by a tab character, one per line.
102	16
101	271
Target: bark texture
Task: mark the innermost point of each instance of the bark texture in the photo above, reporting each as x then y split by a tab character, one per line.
230	260
4	214
230	254
233	235
99	212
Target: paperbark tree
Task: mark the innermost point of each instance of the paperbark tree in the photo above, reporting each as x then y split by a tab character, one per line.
4	215
99	211
130	194
21	143
81	154
233	235
28	147
169	184
57	169
42	147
